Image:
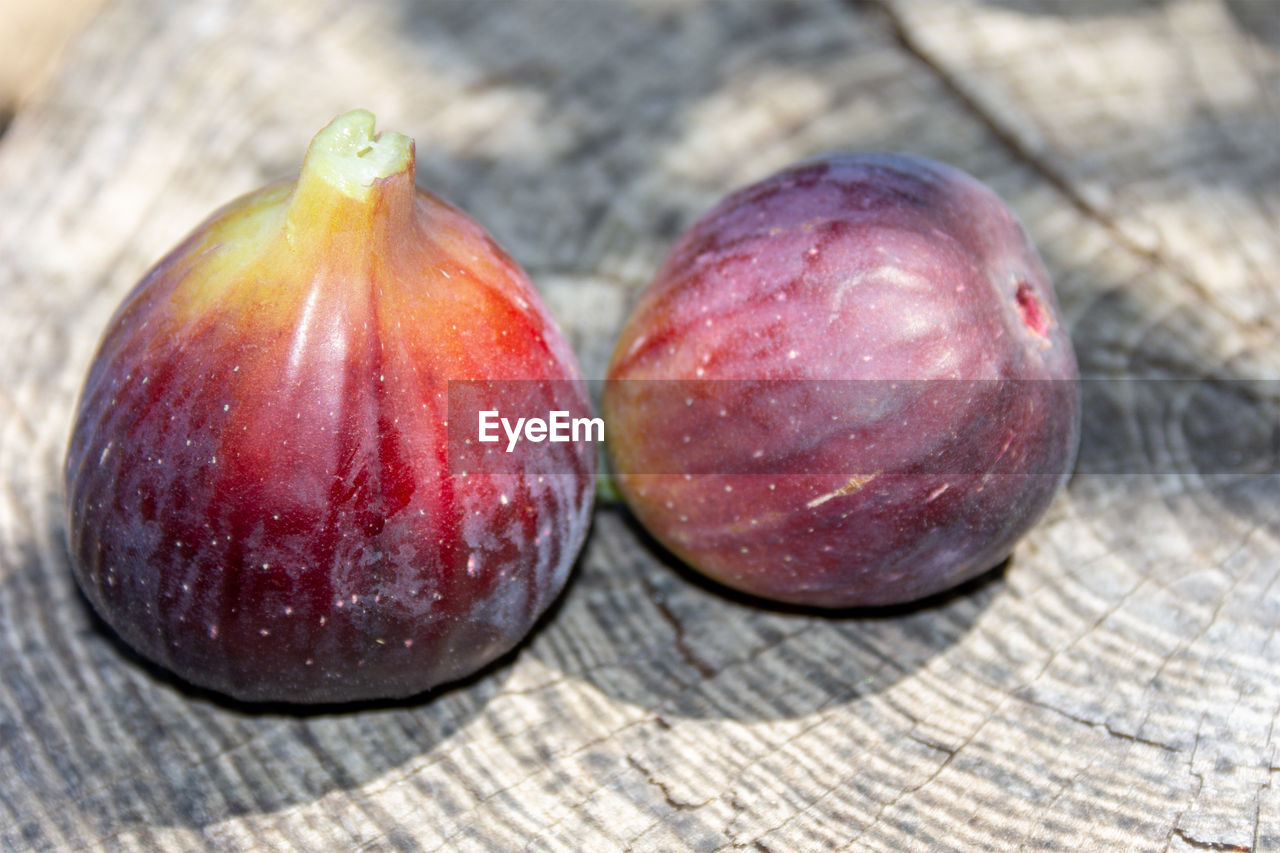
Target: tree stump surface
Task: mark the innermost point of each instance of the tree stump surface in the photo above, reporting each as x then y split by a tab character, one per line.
1115	686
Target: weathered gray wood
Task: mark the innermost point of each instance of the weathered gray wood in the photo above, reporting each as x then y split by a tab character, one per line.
1116	687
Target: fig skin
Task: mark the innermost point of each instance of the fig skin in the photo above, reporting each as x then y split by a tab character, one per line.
848	385
258	481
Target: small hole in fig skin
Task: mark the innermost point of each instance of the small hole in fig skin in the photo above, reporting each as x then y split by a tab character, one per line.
1030	309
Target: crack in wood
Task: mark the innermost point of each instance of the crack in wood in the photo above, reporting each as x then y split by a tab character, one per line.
687	654
678	805
1025	154
1200	844
950	754
932	744
1101	726
479	800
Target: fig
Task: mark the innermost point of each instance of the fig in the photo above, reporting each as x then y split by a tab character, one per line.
848	385
260	486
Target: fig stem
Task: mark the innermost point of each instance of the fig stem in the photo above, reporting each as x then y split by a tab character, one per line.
349	157
355	187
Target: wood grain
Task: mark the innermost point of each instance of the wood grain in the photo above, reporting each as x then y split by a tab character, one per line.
1115	686
32	35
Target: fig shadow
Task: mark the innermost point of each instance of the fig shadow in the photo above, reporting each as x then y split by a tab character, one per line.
1167	420
680	645
131	744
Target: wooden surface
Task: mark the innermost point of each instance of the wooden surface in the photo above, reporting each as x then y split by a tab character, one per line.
32	37
1115	687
